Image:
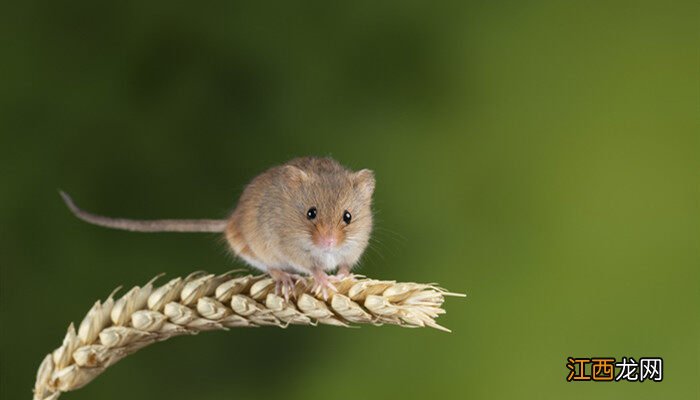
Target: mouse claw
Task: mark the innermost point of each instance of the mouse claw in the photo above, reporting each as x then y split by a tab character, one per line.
322	285
285	283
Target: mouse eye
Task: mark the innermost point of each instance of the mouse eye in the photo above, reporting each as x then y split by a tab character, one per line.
347	216
311	214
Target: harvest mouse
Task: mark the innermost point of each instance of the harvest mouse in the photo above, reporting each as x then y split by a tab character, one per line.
307	216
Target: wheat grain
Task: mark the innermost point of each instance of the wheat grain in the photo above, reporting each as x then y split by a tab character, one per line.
114	329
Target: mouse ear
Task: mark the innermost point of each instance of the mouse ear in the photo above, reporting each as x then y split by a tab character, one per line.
294	174
363	180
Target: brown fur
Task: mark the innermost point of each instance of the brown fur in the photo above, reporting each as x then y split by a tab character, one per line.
269	227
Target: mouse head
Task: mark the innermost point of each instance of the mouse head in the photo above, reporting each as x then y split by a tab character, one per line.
332	208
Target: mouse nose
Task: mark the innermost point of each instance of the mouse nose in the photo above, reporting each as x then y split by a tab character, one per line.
328	241
326	238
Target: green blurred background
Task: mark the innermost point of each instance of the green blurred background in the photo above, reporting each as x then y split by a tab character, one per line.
542	157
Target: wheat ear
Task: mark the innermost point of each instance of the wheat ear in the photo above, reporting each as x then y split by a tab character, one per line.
114	329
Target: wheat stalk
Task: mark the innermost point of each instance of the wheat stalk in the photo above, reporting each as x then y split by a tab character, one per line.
114	329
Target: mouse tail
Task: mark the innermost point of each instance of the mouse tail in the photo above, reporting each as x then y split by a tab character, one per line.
159	225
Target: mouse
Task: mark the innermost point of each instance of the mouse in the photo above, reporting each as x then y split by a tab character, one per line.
307	217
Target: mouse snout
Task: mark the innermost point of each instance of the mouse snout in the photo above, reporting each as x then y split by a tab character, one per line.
328	241
326	237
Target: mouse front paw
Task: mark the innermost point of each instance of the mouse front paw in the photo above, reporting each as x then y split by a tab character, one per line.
322	285
285	283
